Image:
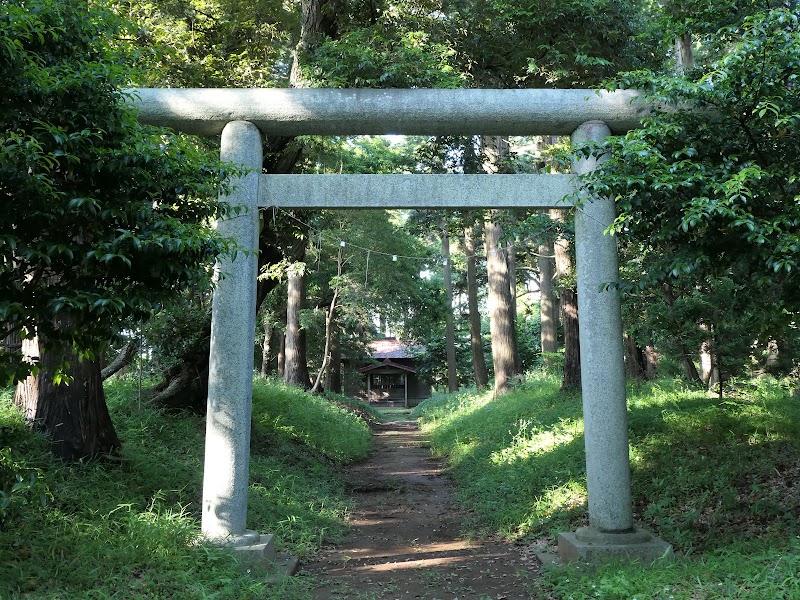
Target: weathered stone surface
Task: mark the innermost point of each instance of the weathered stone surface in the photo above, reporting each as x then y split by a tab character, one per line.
415	191
386	111
261	551
230	380
589	545
602	356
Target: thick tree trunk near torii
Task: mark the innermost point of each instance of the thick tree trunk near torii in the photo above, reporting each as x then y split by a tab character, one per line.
569	317
501	318
548	304
475	333
450	330
75	416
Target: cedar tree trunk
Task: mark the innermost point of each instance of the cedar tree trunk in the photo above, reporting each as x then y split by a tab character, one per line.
569	316
74	416
501	319
475	335
450	333
267	347
548	305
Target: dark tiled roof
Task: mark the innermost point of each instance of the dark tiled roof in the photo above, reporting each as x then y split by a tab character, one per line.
388	363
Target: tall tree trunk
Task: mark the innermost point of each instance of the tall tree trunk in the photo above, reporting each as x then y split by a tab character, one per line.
282	355
313	22
450	331
548	307
267	349
684	54
511	260
74	416
572	342
333	382
326	353
501	316
296	371
475	334
501	319
569	312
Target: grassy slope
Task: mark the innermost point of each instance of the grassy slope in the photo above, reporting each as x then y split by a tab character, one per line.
718	480
129	531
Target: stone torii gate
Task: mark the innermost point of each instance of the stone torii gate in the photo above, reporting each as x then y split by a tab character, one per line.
241	116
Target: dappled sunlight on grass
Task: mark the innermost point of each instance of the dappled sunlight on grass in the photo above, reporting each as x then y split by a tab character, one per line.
705	470
531	439
717	479
133	524
517	458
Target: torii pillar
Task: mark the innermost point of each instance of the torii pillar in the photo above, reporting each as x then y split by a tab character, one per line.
230	373
611	531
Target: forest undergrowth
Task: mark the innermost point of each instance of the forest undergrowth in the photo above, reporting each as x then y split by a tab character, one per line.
716	478
127	527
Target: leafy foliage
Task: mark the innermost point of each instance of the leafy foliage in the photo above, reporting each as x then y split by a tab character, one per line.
708	191
217	43
103	218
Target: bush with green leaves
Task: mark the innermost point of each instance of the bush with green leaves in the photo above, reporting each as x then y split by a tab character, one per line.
708	195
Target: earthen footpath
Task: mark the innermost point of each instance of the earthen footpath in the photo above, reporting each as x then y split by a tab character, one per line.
406	540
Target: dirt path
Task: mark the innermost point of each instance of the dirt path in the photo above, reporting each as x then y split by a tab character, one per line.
406	541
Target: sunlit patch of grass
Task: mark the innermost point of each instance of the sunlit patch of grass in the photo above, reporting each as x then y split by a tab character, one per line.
512	456
717	479
130	529
329	428
530	439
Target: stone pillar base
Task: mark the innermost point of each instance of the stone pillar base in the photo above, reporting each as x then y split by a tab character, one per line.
259	551
590	545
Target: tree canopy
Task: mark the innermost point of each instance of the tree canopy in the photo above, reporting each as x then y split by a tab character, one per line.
103	218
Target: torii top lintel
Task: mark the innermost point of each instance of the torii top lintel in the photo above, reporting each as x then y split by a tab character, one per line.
389	111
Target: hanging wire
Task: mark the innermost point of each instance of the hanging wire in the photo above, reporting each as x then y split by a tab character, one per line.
393	256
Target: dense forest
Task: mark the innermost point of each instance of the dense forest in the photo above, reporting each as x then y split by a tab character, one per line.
107	237
108	245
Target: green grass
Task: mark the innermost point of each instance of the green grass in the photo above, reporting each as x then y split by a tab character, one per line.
130	530
389	414
719	480
361	408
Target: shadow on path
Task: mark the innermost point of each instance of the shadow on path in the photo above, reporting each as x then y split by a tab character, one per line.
405	540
